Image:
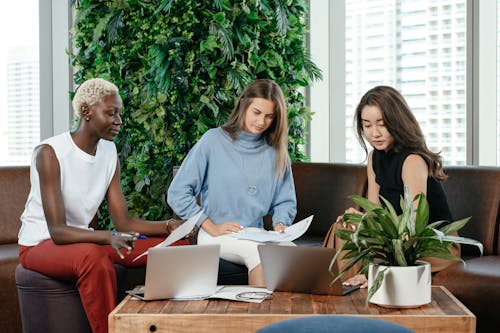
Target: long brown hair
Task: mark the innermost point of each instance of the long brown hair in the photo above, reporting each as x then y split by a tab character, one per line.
277	134
401	124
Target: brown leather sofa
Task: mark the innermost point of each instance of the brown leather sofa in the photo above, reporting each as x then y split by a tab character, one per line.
475	191
323	189
14	188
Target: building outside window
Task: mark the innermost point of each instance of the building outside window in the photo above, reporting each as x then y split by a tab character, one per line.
421	47
19	81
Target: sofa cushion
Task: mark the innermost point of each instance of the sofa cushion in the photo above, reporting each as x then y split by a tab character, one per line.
474	284
10	320
15	184
323	190
475	191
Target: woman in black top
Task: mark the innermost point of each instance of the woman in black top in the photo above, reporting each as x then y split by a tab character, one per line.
400	156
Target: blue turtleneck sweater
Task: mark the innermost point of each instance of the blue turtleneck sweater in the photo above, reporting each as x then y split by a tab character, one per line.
236	181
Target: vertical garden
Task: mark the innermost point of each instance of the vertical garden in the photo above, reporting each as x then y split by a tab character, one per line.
179	65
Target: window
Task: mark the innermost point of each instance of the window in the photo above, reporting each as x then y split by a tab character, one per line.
425	81
19	81
498	82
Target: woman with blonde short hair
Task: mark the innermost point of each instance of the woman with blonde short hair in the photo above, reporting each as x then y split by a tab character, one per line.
71	175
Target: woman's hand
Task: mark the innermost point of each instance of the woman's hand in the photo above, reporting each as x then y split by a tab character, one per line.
357	280
220	229
119	240
171	225
348	211
279	227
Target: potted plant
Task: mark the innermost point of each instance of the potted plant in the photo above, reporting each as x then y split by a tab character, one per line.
385	243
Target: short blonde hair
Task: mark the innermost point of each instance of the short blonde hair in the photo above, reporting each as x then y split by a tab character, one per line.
91	92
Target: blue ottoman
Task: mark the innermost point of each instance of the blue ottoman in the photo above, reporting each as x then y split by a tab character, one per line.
337	324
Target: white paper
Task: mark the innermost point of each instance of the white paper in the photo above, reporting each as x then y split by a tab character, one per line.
260	235
232	292
179	233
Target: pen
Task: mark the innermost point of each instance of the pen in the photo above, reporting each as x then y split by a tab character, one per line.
114	233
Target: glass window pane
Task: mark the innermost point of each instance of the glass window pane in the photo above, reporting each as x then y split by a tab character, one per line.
498	82
418	47
19	81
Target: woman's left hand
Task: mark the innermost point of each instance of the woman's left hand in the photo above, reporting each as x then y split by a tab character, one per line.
171	225
119	240
279	227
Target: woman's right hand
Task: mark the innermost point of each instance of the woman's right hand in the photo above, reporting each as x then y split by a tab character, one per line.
347	211
119	240
357	280
221	229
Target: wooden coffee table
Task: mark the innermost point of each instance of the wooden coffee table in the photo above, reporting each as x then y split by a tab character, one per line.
444	314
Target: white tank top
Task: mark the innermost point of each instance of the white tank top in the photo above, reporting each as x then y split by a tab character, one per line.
84	182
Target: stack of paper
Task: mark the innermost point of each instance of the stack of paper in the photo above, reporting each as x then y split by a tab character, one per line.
260	235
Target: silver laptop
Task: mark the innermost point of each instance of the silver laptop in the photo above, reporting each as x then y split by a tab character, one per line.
180	272
301	269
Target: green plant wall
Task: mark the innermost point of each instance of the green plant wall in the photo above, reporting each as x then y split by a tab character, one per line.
180	64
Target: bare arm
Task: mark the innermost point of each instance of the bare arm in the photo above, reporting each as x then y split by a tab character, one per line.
48	170
415	173
373	187
121	218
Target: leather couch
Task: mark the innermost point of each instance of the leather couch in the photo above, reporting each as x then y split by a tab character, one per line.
323	189
475	191
14	188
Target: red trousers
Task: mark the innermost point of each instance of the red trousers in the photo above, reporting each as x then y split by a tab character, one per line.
91	267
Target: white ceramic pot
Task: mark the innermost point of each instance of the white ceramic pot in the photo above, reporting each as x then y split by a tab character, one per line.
402	287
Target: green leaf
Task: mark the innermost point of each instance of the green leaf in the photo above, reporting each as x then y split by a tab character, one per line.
282	17
208	44
392	213
422	214
455	226
399	253
464	240
377	283
364	203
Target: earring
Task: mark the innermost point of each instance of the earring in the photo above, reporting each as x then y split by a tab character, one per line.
87	118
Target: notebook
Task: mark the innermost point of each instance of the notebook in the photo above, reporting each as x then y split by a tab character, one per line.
180	272
301	269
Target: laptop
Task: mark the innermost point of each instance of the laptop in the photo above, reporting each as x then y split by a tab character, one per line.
301	269
180	272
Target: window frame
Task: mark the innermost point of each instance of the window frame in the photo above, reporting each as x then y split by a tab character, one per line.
56	74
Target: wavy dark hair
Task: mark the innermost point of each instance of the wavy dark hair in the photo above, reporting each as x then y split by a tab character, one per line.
401	124
277	134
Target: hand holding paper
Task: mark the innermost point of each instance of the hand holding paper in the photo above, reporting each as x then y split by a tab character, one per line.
260	235
179	233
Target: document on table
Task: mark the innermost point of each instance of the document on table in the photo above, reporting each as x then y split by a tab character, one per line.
260	235
242	293
232	293
179	233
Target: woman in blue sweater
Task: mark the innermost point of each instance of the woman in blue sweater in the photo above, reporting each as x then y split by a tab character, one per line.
241	171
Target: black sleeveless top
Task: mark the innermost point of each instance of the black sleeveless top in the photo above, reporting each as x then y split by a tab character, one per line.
388	167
